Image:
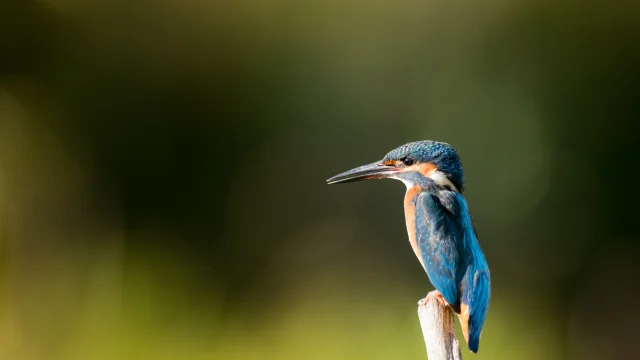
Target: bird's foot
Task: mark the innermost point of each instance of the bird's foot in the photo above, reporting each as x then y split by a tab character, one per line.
435	295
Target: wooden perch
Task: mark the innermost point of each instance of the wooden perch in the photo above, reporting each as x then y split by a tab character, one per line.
438	329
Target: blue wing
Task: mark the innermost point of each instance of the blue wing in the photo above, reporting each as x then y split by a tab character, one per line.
453	259
440	240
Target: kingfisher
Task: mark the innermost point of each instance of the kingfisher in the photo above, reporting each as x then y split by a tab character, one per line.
441	231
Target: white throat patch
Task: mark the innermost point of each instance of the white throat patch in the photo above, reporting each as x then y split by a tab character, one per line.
405	182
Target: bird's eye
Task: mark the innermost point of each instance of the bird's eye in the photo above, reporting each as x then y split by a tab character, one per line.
407	161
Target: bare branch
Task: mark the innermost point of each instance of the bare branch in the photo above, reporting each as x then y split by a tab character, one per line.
438	328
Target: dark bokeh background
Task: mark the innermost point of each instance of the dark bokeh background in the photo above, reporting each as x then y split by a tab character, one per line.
162	168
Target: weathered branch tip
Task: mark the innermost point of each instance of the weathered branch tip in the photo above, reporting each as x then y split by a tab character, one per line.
438	328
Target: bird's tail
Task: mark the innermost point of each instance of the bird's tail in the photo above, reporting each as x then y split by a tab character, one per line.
475	303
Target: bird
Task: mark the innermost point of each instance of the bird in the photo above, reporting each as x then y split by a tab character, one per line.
441	231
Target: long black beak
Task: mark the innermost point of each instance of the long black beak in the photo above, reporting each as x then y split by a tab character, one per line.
375	170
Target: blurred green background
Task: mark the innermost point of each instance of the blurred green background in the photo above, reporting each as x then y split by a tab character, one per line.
163	166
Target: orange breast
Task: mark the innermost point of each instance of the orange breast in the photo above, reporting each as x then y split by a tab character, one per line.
410	218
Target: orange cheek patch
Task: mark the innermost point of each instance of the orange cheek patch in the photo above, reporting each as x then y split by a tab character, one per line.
425	168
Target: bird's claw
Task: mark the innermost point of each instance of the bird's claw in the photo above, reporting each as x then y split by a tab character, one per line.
436	295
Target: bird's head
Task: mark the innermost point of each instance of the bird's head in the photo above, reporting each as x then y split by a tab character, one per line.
413	163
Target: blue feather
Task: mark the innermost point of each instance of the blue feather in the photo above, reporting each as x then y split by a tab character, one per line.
440	239
452	257
477	282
